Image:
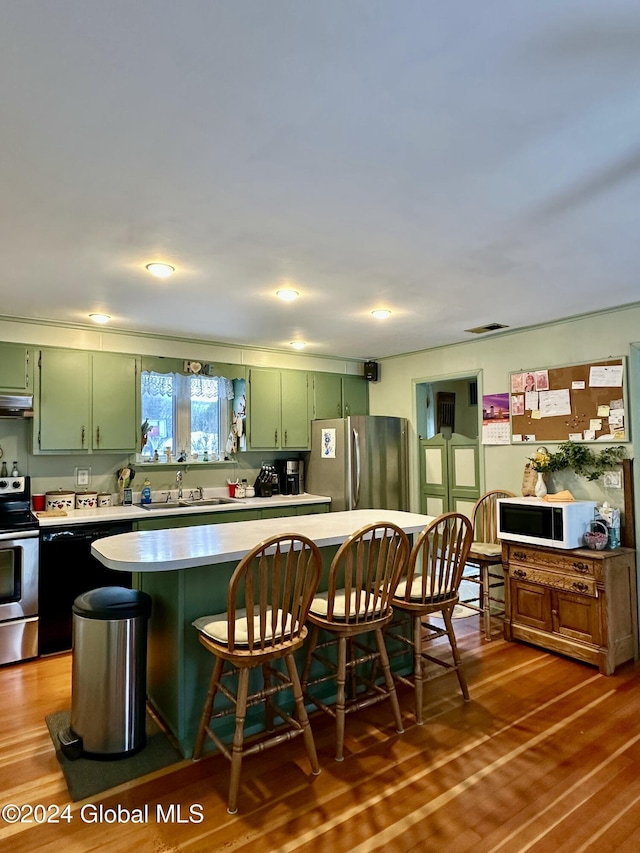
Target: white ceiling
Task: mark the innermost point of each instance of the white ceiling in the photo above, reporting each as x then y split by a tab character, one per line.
458	162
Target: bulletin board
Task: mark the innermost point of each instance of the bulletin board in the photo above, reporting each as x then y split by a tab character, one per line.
580	402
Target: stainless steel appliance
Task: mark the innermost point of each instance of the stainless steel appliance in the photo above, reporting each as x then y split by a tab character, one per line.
291	475
360	462
18	572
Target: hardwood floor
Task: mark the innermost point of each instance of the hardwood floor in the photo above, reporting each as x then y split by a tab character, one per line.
545	757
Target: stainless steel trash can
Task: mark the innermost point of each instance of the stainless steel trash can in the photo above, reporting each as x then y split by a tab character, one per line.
109	672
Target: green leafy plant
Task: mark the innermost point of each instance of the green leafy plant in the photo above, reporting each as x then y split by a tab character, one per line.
579	458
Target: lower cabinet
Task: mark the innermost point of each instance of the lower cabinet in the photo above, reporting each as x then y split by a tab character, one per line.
580	603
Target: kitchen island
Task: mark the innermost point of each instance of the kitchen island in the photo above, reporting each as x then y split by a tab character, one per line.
187	570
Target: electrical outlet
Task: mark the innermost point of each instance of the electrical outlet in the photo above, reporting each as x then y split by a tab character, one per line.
612	479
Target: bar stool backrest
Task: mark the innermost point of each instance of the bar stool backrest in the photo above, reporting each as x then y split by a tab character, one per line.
485	516
437	559
366	570
275	583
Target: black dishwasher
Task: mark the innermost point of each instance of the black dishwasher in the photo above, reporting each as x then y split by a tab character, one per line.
67	569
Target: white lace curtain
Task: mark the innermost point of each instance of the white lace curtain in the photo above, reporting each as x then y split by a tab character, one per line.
161	384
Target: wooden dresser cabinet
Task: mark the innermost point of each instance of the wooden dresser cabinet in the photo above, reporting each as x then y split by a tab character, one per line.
580	603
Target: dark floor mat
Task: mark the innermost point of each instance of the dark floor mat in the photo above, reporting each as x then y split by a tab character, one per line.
86	777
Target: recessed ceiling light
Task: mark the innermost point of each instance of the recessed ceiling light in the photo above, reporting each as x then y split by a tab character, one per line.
161	270
381	313
287	295
298	344
100	318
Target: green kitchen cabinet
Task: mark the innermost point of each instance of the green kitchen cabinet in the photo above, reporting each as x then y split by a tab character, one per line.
355	395
114	393
327	396
312	509
278	409
167	522
87	402
336	396
15	369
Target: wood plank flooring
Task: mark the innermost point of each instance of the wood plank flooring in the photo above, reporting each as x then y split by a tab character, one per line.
545	757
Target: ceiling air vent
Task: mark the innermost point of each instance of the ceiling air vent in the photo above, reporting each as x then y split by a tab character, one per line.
490	327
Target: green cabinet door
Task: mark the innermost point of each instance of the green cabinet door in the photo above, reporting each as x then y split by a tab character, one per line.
64	407
14	368
295	416
355	395
264	408
327	396
114	393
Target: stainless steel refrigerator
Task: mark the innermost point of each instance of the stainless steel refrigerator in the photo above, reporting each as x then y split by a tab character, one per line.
360	462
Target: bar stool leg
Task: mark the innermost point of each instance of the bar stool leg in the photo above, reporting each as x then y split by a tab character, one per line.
391	687
418	670
486	599
446	614
303	717
238	739
340	697
208	707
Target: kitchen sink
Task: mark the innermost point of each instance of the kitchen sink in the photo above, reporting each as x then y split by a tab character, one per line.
186	503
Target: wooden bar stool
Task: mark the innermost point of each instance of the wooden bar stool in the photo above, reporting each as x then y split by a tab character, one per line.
362	579
268	600
430	586
486	554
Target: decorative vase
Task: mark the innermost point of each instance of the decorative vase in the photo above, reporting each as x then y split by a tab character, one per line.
541	486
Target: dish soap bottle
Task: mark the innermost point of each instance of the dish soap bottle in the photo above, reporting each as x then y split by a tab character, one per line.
145	497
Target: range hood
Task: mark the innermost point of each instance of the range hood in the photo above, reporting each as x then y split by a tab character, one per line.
16	406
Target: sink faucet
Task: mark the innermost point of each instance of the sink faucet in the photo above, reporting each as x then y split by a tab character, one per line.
179	482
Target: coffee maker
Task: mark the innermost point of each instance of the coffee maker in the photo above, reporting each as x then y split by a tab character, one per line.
291	474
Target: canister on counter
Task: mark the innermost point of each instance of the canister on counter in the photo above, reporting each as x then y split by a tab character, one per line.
60	500
104	499
86	500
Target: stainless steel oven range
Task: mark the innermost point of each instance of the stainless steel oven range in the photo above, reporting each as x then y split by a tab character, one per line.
18	572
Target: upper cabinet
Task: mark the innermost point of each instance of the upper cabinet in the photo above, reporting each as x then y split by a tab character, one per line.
15	369
336	396
277	409
87	402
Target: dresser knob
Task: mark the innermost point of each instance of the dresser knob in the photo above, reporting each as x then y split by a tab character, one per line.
519	573
520	555
579	586
581	567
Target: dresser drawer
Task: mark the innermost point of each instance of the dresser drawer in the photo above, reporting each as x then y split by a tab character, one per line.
554	561
555	580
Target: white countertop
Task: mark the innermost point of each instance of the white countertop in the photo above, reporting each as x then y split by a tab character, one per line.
135	511
203	545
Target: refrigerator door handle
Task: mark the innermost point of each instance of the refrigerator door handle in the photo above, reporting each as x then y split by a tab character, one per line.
355	488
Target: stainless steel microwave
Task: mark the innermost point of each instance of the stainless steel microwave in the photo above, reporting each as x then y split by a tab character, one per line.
538	522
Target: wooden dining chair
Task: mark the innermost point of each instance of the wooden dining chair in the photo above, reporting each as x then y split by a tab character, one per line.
429	586
485	555
362	579
268	600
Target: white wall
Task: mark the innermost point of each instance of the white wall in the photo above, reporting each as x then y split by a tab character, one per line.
494	357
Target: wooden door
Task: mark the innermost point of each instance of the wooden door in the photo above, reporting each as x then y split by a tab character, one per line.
449	475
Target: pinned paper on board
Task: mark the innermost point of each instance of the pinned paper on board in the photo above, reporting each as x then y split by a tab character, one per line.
605	376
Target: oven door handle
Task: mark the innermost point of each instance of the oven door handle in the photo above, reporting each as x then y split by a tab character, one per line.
14	537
